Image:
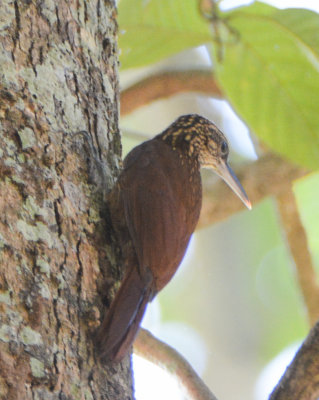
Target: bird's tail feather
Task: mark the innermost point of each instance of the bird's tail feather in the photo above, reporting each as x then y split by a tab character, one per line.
121	322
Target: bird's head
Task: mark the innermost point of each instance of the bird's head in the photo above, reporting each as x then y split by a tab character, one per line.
202	140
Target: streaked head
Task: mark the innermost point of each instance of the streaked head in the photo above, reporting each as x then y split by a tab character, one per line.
202	139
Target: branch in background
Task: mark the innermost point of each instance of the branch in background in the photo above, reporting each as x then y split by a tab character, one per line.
300	381
297	240
167	84
164	356
270	175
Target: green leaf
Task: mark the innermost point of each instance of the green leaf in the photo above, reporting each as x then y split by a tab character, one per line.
255	8
304	23
270	74
154	29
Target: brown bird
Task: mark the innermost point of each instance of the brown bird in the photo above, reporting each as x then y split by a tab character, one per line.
155	205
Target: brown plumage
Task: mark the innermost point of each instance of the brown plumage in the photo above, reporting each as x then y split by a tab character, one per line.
156	204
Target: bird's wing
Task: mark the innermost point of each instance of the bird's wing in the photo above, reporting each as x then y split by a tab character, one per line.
156	213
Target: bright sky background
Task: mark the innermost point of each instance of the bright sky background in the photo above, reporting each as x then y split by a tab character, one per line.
311	4
150	381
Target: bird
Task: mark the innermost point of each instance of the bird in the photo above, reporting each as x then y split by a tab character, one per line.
154	207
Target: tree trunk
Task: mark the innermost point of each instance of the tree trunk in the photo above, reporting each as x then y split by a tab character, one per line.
58	72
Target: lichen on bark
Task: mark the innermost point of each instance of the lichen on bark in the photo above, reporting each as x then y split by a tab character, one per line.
57	254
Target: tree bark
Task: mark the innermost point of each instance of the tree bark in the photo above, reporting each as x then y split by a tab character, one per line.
300	380
58	72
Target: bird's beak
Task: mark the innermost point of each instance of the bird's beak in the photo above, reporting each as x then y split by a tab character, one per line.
228	175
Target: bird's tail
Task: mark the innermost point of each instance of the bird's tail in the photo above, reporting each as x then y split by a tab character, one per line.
121	322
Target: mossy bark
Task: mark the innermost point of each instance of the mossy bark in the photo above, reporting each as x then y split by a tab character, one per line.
58	75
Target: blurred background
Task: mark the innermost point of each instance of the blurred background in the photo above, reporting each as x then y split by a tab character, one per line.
235	308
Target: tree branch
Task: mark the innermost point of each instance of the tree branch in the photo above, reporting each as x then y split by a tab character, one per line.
152	349
167	84
297	240
270	175
300	381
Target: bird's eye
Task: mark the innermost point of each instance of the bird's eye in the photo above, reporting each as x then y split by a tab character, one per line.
224	148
